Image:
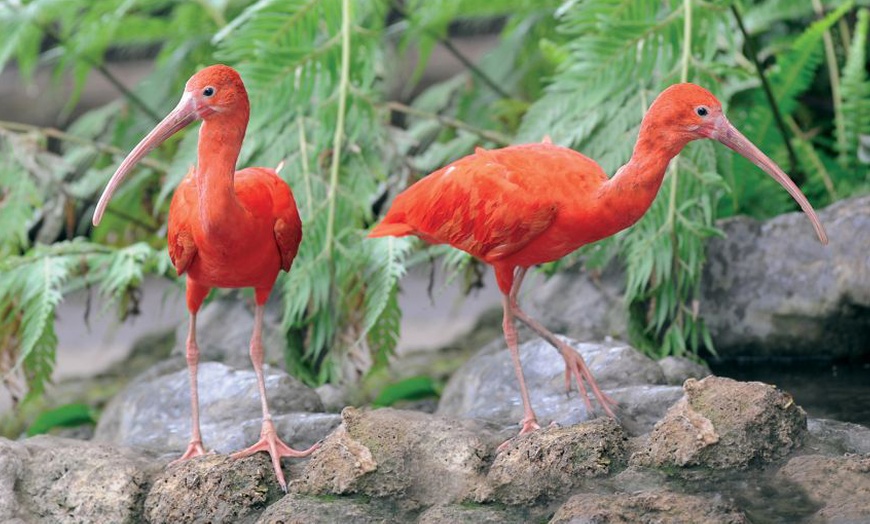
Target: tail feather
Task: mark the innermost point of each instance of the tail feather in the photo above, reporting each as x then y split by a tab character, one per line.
394	229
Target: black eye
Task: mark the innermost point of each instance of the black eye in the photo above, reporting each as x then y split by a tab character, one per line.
701	110
208	91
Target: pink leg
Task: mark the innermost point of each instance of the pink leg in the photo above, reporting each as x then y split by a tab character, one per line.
269	441
194	448
574	364
529	422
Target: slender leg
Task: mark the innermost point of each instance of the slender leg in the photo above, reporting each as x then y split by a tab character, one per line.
269	441
194	448
529	422
574	364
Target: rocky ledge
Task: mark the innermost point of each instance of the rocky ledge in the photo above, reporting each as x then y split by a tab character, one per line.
711	450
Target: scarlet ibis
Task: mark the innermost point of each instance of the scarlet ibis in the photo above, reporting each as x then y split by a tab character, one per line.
533	203
227	228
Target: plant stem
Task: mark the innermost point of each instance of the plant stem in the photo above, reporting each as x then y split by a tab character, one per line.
768	92
834	77
306	173
344	81
492	136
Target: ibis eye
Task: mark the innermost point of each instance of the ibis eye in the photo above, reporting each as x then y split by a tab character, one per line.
701	111
208	91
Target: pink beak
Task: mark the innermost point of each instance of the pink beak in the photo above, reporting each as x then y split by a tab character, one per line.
726	133
183	114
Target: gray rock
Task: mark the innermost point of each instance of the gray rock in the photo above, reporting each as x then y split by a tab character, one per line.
722	423
224	326
841	437
547	463
153	412
486	387
420	458
213	489
771	289
647	507
678	369
52	479
840	485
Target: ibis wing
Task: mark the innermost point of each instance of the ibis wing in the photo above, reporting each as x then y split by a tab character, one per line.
263	190
179	239
479	205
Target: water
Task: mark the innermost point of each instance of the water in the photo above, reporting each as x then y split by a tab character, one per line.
838	390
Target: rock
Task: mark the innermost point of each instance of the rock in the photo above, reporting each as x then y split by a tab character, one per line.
547	463
224	326
301	509
52	479
841	437
421	458
486	387
213	488
722	423
678	369
153	412
488	514
770	288
647	507
840	485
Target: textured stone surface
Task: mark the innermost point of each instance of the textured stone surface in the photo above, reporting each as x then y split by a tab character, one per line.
423	458
52	479
213	488
153	412
678	369
301	509
486	387
839	485
723	423
548	463
770	288
646	508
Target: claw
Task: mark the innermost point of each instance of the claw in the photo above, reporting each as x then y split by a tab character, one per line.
194	449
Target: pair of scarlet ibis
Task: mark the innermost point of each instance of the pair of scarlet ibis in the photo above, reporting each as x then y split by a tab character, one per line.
511	208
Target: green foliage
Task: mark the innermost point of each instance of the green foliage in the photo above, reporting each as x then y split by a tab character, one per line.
582	72
413	388
66	416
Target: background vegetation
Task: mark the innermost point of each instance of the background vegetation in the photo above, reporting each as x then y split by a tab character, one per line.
793	76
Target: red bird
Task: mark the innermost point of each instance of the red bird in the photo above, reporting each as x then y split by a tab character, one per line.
227	228
533	203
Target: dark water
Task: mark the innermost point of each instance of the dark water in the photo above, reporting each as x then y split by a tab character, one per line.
838	390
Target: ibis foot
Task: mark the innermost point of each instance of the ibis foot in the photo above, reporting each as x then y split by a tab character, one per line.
276	448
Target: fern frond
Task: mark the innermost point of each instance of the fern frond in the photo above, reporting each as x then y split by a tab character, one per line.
856	97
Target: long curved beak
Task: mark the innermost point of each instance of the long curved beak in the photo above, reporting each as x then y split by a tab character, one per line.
726	133
183	114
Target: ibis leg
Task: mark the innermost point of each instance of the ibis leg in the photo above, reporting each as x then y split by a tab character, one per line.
269	441
194	448
575	366
529	422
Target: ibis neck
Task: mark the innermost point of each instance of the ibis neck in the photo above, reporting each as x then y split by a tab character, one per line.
220	141
631	191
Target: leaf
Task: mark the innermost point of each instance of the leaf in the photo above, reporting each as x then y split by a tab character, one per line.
66	416
413	388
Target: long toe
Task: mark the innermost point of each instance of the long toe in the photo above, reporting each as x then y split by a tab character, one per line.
276	448
194	449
